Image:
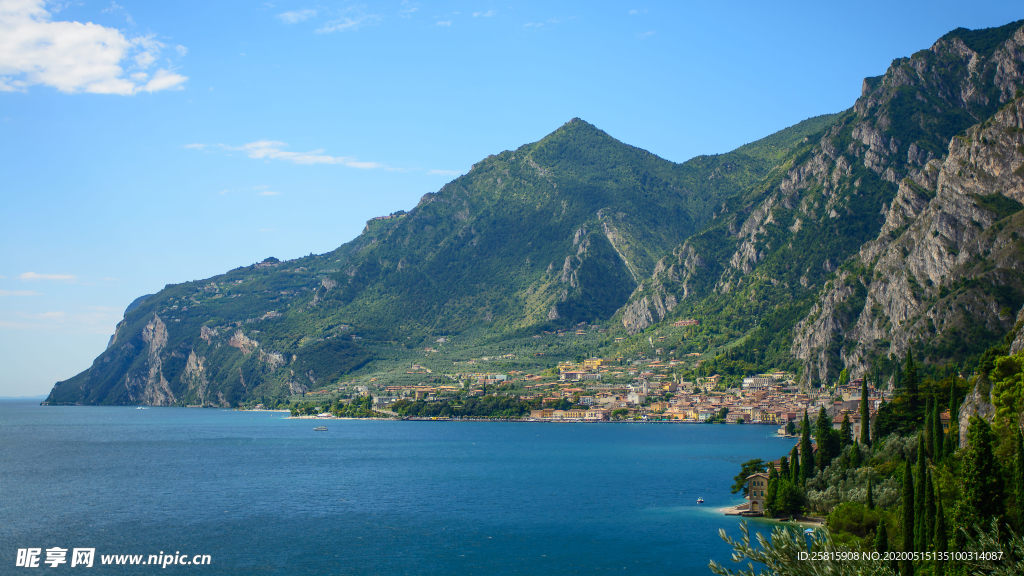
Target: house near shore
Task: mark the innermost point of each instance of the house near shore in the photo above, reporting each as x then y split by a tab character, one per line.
757	491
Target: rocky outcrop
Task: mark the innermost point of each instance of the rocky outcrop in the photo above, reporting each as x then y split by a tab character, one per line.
149	386
978	403
242	342
938	236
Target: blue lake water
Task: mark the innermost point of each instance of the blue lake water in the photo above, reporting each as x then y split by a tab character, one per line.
264	495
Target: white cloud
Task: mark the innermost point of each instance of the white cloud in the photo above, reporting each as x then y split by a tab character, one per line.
408	8
181	50
487	14
57	277
296	16
351	19
115	8
273	150
444	22
434	171
645	35
19	293
74	57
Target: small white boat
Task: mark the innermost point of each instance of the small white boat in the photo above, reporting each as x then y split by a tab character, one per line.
320	429
700	500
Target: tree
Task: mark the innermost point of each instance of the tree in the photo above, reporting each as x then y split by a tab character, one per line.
784	468
845	432
938	441
1018	479
773	488
865	415
789	498
806	453
910	384
870	498
941	539
881	539
919	495
790	428
746	469
981	476
828	440
928	525
794	461
907	518
855	460
926	430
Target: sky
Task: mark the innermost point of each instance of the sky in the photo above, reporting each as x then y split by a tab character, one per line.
148	143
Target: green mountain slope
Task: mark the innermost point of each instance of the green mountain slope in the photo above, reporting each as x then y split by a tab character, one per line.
550	234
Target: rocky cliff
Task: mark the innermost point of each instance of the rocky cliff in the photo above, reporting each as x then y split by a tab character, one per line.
893	225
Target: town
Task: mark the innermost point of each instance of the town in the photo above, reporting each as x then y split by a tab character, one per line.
615	389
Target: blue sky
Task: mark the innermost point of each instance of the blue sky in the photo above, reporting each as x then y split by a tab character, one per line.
144	143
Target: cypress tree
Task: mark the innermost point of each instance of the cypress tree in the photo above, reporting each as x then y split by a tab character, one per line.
794	463
928	525
907	518
919	490
784	468
881	539
806	453
980	475
926	429
846	432
941	539
822	431
865	414
870	499
855	459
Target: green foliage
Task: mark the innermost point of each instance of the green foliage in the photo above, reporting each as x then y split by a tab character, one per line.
749	467
482	407
783	553
854	518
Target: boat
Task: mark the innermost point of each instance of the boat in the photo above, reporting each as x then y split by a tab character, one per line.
700	500
320	429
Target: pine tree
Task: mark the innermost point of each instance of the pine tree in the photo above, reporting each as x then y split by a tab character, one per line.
794	463
938	441
855	458
870	498
980	475
865	414
881	539
784	468
806	453
907	518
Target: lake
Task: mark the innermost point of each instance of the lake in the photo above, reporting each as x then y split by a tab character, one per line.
262	494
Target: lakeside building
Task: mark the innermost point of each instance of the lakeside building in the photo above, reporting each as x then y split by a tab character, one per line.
757	491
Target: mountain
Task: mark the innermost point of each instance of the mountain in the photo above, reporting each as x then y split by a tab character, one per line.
894	226
550	234
841	242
